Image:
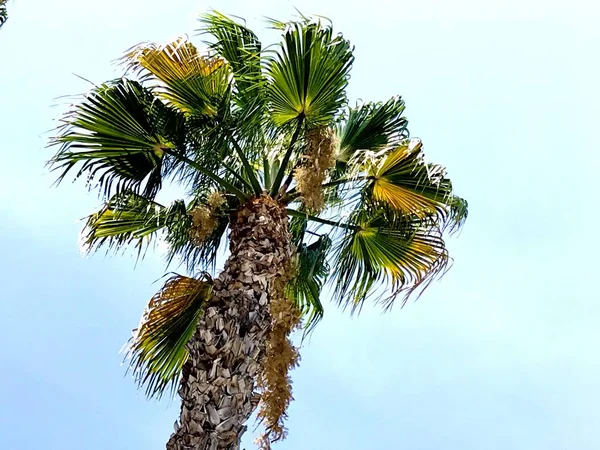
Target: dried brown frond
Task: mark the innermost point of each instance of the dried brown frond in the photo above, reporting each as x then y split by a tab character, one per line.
321	146
263	442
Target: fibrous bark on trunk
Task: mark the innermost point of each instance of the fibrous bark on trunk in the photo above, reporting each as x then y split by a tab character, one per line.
218	380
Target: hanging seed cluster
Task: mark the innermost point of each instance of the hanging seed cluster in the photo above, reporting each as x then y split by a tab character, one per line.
263	442
274	380
205	217
319	157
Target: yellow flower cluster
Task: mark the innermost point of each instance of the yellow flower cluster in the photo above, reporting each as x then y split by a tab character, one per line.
319	157
204	218
274	380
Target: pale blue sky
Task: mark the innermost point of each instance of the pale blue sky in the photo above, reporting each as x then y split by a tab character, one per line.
501	354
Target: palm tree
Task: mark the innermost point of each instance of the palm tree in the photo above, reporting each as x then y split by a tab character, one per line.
308	190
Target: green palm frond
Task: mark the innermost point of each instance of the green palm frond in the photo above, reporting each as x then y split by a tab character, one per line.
459	211
407	183
209	161
117	136
310	274
125	218
298	227
157	349
372	127
128	218
193	83
309	75
3	12
240	47
242	50
386	249
200	87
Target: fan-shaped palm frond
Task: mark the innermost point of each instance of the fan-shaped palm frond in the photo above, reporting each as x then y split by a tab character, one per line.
157	348
385	248
241	48
118	136
372	127
414	187
308	76
130	218
200	87
193	83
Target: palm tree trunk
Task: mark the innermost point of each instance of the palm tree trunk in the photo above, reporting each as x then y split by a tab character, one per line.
218	380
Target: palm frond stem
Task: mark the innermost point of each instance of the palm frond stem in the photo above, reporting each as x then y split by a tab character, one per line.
286	157
216	178
296	213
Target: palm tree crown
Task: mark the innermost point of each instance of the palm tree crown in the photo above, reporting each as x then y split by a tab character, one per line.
367	212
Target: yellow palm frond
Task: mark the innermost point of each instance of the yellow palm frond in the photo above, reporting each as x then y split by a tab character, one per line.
402	199
382	247
192	82
158	346
408	184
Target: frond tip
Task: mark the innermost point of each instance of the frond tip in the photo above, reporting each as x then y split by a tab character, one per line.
157	349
